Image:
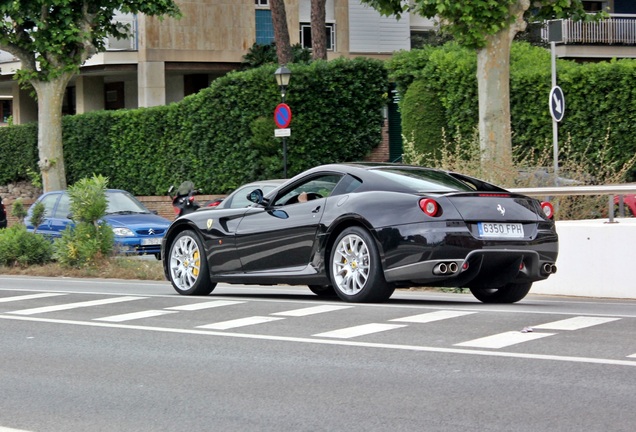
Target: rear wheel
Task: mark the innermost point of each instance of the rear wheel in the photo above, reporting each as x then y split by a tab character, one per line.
510	293
356	272
187	265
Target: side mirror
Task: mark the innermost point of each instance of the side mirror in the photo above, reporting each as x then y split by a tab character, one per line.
256	196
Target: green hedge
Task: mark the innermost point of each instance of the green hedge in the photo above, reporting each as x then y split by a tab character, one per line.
222	136
18	152
600	97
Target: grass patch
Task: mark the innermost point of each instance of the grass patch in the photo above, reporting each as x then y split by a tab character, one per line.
110	268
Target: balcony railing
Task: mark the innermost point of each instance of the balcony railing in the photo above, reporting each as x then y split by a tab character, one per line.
618	29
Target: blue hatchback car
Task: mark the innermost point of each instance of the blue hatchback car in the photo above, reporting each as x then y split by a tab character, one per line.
137	230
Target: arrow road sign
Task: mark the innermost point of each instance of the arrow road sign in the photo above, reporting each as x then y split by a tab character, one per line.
557	103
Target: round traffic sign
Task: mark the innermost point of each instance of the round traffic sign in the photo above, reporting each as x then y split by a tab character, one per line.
282	115
557	103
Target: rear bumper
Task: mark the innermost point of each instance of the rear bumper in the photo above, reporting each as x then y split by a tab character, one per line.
480	268
412	253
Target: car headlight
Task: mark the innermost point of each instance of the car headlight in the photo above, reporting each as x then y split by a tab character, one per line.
123	232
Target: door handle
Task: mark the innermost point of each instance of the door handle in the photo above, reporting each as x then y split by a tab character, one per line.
316	210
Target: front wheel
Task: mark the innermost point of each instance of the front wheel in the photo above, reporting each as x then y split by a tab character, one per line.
356	271
187	265
510	293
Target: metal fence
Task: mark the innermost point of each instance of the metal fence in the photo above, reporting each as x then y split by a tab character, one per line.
610	190
618	29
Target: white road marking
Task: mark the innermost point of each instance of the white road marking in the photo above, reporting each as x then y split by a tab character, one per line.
311	310
316	341
135	315
360	330
432	316
632	356
205	305
6	429
241	322
28	297
575	323
503	339
68	306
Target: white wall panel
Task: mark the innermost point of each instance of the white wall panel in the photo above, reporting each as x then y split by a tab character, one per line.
370	32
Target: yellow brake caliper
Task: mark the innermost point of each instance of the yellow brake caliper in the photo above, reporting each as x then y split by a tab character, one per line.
197	261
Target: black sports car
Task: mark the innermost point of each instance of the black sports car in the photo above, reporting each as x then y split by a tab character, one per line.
358	231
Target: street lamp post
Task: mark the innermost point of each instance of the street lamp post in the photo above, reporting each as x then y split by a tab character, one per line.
283	75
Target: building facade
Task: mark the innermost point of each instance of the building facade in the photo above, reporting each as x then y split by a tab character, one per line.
165	60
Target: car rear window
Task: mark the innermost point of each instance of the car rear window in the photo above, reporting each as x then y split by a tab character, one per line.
425	181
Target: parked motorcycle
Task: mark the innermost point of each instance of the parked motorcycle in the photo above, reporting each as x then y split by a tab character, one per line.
183	201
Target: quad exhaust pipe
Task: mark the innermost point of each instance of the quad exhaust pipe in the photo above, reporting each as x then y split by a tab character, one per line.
445	268
549	268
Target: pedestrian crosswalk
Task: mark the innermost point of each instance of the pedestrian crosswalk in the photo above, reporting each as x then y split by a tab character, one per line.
234	318
68	306
240	322
360	330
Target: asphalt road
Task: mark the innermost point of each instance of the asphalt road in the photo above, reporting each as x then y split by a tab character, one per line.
96	355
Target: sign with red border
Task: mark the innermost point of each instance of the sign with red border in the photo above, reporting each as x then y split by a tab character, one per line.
282	115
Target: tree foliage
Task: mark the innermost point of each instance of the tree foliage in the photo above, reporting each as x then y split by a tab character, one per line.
471	22
489	26
52	39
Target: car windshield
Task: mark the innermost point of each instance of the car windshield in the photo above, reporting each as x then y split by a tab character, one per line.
124	203
424	180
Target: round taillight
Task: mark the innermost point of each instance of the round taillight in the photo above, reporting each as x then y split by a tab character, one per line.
548	210
429	206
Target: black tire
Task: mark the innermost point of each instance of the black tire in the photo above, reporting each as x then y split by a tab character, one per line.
158	256
510	293
323	290
356	272
187	269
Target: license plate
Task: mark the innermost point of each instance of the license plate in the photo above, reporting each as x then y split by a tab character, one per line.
151	241
500	230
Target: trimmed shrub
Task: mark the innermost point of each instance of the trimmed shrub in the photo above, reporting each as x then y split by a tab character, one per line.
88	241
20	247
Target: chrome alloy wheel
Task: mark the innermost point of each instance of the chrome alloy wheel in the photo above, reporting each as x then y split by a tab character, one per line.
351	264
185	263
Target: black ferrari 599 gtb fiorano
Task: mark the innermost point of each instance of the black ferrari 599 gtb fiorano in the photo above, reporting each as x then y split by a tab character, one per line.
361	230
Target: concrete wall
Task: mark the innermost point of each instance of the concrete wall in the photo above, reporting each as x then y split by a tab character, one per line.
596	259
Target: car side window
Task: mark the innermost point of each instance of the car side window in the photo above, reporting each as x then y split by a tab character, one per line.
315	188
63	207
49	204
240	198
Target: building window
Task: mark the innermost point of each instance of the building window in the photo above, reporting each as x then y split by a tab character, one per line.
594	6
114	95
305	35
261	3
264	27
6	110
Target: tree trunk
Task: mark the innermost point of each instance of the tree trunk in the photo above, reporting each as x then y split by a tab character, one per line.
50	97
318	30
281	33
493	82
